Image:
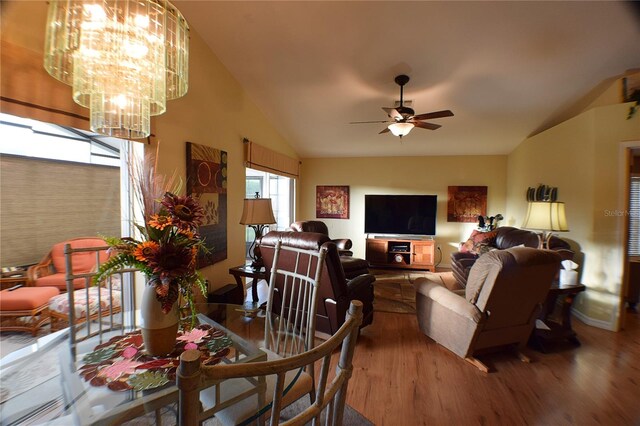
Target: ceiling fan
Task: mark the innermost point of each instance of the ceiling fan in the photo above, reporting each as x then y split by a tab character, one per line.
403	118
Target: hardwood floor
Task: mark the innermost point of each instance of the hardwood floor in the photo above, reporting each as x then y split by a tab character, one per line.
401	377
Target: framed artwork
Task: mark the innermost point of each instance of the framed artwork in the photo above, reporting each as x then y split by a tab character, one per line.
207	181
332	202
466	203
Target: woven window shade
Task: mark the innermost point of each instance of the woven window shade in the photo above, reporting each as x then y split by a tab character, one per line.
261	158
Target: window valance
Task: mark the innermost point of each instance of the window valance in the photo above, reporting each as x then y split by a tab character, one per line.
262	158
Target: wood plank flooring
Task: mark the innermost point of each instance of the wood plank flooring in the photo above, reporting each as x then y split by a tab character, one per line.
401	377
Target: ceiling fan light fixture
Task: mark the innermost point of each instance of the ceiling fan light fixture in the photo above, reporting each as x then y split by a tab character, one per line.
400	129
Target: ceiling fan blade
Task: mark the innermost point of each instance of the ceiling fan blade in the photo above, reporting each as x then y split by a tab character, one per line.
386	129
368	122
436	114
424	125
393	113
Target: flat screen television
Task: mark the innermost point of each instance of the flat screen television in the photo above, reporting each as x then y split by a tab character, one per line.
400	214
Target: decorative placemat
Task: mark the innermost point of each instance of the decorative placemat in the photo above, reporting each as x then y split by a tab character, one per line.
122	364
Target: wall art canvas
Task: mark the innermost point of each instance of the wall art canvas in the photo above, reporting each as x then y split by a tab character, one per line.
332	202
466	203
207	180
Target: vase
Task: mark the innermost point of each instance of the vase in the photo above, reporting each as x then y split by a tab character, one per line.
159	330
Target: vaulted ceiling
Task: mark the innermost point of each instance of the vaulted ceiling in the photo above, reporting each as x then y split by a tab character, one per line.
506	69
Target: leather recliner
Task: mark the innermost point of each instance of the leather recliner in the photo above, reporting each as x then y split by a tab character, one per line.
335	291
343	244
352	266
502	300
506	237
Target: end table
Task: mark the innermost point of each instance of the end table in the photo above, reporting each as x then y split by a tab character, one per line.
13	278
559	326
246	271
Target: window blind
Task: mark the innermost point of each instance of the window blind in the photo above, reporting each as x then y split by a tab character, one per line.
264	159
634	216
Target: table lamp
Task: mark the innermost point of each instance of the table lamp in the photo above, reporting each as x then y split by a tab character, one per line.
548	217
257	213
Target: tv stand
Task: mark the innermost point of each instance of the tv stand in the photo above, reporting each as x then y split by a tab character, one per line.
401	253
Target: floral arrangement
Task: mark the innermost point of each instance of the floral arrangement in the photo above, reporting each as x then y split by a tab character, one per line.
168	246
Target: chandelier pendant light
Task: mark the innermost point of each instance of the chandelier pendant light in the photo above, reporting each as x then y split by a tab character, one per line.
123	59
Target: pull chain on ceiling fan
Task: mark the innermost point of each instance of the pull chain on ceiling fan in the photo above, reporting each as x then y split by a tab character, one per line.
404	119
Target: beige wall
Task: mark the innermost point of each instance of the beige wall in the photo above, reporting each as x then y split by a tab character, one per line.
583	157
215	112
403	175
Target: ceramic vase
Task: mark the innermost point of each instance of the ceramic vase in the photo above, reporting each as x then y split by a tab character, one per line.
159	330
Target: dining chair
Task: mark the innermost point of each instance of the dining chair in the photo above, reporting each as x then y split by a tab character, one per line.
330	397
290	315
108	306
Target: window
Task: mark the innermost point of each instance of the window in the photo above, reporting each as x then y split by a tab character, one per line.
634	216
281	191
58	183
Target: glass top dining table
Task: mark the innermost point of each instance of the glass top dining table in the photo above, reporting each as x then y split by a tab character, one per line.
55	382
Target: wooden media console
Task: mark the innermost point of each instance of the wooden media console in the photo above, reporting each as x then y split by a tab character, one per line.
401	253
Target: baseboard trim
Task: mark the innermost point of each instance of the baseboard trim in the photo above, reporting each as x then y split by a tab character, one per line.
606	325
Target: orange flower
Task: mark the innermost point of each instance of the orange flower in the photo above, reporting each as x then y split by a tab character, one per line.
160	221
144	251
187	233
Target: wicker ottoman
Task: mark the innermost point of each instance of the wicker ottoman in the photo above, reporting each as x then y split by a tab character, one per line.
25	308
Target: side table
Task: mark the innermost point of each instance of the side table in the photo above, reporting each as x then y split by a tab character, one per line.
13	278
246	271
559	325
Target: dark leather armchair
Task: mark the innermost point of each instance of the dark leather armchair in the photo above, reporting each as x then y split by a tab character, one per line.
352	266
335	291
506	237
343	244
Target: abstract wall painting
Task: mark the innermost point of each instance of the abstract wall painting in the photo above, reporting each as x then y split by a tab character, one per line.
207	180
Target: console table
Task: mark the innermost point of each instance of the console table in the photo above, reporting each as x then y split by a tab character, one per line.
559	324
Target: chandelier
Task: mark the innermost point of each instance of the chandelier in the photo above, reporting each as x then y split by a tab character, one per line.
123	58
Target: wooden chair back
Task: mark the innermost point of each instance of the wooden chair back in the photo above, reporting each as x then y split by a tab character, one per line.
330	397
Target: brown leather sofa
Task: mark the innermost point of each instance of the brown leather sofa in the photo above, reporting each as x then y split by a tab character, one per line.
506	237
503	298
352	266
335	291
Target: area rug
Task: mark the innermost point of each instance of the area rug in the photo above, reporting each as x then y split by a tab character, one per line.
394	292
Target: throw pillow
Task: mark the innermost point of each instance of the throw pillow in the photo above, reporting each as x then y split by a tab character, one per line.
479	239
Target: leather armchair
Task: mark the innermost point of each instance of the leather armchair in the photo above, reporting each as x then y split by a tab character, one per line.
504	294
352	266
506	237
335	291
344	244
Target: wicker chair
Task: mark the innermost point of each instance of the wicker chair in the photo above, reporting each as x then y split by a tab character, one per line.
51	270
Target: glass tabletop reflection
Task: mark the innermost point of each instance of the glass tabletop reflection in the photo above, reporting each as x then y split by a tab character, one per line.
53	381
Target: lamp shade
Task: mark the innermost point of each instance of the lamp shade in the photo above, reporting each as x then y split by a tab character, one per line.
546	216
257	211
401	129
